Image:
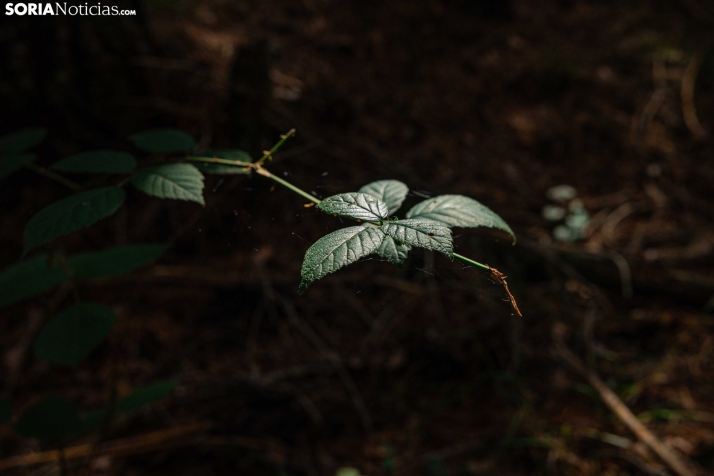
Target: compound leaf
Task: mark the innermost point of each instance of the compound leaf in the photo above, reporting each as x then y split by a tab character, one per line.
175	181
338	249
114	261
163	141
391	192
11	163
459	211
392	251
28	278
50	419
21	140
72	213
144	395
74	333
98	162
360	206
421	233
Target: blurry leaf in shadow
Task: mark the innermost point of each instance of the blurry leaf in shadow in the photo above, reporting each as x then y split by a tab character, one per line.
98	162
144	395
29	278
21	140
50	419
163	141
12	163
114	261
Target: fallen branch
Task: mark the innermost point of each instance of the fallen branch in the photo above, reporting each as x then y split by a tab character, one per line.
119	447
621	411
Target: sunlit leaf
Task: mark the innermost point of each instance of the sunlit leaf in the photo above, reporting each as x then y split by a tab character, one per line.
459	211
175	181
72	213
12	163
98	162
29	278
338	249
421	233
144	395
21	140
392	251
360	206
391	192
114	261
50	419
5	410
74	333
163	141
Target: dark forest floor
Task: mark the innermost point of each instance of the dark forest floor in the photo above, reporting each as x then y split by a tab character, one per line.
423	370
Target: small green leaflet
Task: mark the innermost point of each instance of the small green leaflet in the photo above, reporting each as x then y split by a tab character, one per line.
391	192
360	206
21	140
459	211
163	141
338	249
28	278
98	162
393	252
72	213
74	333
144	395
114	261
176	181
50	419
12	163
428	234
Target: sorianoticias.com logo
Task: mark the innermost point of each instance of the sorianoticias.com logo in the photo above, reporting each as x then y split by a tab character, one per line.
62	8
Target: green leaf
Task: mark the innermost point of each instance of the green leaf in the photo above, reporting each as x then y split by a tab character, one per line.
29	278
5	410
176	181
428	234
338	249
393	252
114	261
226	154
391	192
74	333
12	163
459	211
360	206
72	213
21	140
52	418
98	162
93	419
144	395
163	141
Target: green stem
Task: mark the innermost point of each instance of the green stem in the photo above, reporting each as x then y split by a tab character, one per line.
56	177
466	260
269	154
215	160
288	185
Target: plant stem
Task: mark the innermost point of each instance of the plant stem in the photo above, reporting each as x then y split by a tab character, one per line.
275	178
466	260
269	153
215	160
56	177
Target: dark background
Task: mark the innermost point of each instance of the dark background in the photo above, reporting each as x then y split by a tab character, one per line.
423	370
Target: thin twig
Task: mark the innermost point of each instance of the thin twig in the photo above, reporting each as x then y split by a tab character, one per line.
689	109
676	463
120	447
